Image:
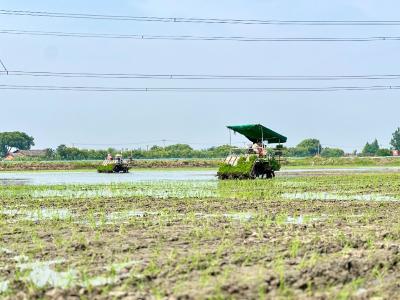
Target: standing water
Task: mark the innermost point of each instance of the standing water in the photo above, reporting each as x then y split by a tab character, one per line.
53	178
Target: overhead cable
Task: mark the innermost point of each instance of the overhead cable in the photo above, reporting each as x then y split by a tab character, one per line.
197	89
199	20
199	76
199	38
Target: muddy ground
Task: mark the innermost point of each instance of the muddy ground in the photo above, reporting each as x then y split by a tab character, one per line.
193	249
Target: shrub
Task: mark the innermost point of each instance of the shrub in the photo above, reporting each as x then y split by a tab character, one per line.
383	152
332	152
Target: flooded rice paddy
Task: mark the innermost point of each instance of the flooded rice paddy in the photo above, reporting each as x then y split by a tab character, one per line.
189	236
92	177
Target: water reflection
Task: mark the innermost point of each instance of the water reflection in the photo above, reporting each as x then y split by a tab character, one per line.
14	181
333	196
54	178
42	274
37	215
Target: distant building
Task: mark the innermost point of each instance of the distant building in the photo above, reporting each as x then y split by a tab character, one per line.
396	152
26	153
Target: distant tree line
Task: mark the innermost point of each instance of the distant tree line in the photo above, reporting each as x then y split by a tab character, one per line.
306	148
173	151
312	147
373	149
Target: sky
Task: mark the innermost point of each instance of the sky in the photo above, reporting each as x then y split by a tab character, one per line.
346	119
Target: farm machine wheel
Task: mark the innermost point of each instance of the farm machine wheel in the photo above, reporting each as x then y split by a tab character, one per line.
262	169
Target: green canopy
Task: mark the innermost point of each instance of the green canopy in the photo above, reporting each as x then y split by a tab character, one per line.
257	133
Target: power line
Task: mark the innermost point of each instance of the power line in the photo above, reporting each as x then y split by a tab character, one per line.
212	144
200	76
118	144
199	38
199	20
197	89
146	143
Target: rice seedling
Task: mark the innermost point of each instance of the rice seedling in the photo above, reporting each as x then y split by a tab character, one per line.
204	239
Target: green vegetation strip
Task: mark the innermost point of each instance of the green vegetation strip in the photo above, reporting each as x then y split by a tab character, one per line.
310	162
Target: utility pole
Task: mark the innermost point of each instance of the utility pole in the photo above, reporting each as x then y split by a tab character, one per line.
230	141
5	69
164	142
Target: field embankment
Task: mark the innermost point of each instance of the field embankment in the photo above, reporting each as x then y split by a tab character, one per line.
309	162
342	162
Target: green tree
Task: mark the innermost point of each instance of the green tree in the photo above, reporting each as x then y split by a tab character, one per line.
178	150
395	142
371	149
310	147
375	146
50	153
62	151
15	139
332	152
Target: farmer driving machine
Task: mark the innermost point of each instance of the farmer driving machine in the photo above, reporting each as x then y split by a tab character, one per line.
257	161
114	165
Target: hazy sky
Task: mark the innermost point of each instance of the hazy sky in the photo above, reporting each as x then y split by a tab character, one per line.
344	119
